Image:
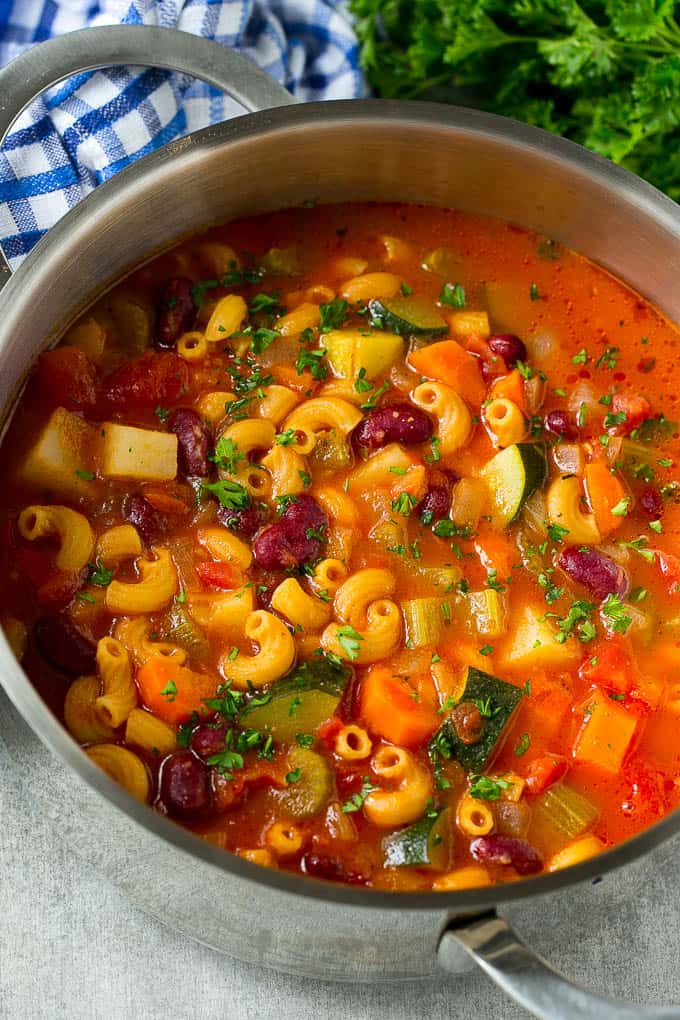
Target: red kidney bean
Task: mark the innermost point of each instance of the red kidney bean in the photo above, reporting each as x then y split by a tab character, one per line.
650	502
146	519
558	423
193	441
63	645
329	868
245	522
595	571
208	739
508	347
392	423
177	312
185	784
497	849
294	539
435	504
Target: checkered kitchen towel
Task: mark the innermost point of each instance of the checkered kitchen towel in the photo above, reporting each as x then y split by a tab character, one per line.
83	131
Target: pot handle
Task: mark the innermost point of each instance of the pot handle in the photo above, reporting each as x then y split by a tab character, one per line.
50	62
527	978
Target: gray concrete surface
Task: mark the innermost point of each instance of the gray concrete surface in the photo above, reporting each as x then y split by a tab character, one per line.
73	949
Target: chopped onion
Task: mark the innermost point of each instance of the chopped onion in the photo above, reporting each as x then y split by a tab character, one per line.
568	458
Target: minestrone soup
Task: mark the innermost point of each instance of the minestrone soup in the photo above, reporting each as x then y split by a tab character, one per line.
345	538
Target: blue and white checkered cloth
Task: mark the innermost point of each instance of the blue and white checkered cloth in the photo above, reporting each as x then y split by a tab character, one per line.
83	131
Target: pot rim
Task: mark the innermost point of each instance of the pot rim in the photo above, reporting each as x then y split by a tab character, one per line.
103	201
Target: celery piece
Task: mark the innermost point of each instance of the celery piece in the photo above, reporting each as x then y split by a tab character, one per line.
489	612
560	814
424	621
332	452
180	629
281	262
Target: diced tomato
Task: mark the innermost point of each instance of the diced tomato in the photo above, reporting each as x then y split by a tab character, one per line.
58	591
544	771
222	576
65	377
635	408
36	565
328	731
669	565
608	665
155	378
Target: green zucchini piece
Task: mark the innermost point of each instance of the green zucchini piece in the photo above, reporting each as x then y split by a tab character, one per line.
309	784
512	475
498	702
408	316
425	844
300	702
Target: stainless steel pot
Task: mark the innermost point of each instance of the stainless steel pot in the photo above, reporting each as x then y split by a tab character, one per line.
362	150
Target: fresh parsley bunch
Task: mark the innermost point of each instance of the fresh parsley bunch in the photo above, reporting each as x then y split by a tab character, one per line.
603	72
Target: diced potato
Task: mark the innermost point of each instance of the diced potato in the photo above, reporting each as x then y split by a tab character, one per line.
349	351
62	455
144	454
534	643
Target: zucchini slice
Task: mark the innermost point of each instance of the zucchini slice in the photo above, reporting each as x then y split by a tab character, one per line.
512	475
425	844
310	784
300	702
498	702
408	316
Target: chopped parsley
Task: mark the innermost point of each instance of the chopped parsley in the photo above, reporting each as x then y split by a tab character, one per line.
333	314
227	455
356	801
614	612
350	640
522	745
99	574
404	504
313	362
486	788
453	294
231	495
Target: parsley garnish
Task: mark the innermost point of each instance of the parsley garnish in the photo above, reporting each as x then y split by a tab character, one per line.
231	495
356	801
485	788
523	745
614	611
99	574
453	294
227	455
404	504
333	314
350	640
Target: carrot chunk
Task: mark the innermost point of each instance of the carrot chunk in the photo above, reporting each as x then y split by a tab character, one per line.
173	692
510	387
605	494
449	363
401	710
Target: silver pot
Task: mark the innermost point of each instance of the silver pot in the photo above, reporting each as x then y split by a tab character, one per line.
330	152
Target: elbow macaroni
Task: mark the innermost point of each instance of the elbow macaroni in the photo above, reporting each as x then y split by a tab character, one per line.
454	421
119	543
505	421
150	733
275	656
156	586
287	470
408	800
81	717
223	545
302	610
119	695
124	767
73	530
